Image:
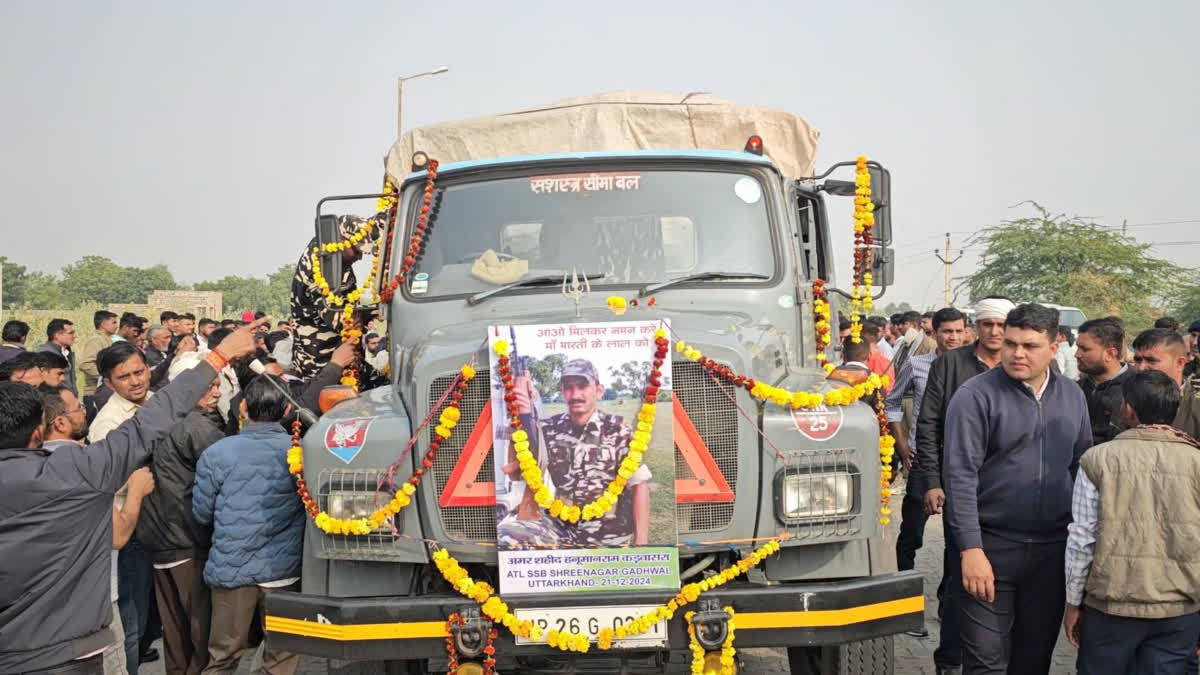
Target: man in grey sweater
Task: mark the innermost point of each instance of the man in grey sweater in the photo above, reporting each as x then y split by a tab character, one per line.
1014	436
56	520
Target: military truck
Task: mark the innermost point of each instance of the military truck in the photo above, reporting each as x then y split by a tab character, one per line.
724	234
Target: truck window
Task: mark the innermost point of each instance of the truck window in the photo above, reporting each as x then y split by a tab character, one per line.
632	227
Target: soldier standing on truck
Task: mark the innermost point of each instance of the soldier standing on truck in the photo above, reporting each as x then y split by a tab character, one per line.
318	321
584	448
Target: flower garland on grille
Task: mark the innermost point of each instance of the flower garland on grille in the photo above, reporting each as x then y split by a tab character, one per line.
362	526
864	220
728	653
497	610
417	241
794	400
822	324
489	648
532	473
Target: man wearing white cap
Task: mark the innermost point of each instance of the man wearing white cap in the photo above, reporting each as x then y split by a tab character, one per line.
948	372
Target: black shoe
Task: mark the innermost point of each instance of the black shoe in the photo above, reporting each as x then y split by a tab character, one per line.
921	633
950	670
149	656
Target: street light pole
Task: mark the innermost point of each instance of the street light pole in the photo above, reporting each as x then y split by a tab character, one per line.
400	94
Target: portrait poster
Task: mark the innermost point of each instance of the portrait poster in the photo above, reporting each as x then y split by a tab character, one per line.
579	389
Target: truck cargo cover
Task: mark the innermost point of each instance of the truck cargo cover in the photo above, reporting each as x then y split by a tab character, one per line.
625	120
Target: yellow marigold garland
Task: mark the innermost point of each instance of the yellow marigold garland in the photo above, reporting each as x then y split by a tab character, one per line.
864	220
532	473
497	610
728	653
887	445
822	324
794	400
363	526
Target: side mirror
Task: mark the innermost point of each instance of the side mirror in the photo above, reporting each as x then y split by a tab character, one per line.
331	263
883	265
881	196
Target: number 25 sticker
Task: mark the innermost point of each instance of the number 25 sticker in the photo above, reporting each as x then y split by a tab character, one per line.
821	424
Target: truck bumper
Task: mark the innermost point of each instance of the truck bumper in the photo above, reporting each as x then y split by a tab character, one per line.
786	615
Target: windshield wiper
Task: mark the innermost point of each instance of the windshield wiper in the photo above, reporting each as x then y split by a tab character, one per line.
543	280
701	276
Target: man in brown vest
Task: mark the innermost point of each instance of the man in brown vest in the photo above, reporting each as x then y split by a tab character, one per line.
1133	586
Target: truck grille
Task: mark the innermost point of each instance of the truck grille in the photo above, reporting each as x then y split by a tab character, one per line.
711	411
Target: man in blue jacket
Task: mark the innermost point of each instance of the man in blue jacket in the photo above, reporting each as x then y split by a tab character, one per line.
246	495
1014	436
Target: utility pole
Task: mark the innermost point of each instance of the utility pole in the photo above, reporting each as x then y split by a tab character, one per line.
400	93
947	262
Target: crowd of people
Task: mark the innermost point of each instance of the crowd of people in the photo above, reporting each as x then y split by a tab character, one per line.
1066	467
167	437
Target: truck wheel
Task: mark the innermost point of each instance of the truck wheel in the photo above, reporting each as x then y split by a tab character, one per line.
869	657
337	667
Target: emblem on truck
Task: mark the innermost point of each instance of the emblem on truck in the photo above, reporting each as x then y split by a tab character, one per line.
345	438
821	424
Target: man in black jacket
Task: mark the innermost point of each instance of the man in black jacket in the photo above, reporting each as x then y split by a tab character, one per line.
169	535
1014	436
56	521
1098	353
948	372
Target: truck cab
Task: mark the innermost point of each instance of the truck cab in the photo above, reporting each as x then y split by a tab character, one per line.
720	241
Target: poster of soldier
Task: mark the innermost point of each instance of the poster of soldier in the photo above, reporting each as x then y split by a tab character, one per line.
578	390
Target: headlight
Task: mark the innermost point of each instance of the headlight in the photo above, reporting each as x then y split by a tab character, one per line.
816	495
353	504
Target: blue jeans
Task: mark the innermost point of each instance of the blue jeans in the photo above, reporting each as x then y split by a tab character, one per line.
1116	644
134	575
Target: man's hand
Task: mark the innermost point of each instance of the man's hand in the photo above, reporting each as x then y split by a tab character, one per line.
935	499
345	354
512	470
906	453
141	482
522	387
977	576
241	341
1071	623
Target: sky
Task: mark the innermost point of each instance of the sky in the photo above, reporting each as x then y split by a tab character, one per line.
200	135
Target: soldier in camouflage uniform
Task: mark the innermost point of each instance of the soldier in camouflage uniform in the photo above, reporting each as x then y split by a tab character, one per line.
318	322
584	449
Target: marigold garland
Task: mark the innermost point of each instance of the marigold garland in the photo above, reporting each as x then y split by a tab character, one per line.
497	610
728	653
864	220
887	450
794	400
532	473
489	648
822	327
417	241
362	526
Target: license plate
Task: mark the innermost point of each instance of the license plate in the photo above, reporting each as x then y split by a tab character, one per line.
589	621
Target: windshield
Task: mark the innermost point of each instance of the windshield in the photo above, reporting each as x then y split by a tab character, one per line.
1071	317
623	226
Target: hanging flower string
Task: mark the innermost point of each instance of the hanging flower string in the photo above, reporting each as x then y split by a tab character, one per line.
728	653
864	220
403	497
497	610
887	450
794	400
417	241
637	447
822	324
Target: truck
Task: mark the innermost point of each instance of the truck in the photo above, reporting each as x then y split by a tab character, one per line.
724	235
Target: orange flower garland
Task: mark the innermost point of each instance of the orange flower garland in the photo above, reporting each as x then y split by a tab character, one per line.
403	497
822	324
489	649
887	445
418	238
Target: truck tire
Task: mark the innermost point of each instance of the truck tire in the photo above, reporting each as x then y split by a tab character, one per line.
869	657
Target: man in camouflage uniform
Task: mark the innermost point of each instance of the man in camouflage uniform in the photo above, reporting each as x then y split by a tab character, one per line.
584	449
319	322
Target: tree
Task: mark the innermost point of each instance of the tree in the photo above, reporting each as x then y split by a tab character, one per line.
546	372
1186	307
272	294
43	291
16	280
630	378
94	279
894	308
140	283
1069	260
